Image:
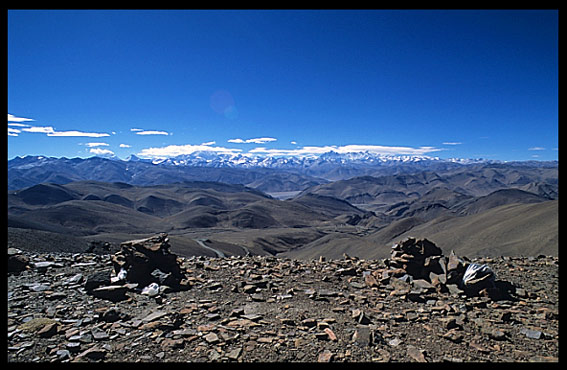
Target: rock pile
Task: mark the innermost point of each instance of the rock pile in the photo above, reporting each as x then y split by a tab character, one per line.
17	262
421	263
147	261
268	309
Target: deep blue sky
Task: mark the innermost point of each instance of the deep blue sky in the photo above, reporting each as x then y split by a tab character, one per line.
465	83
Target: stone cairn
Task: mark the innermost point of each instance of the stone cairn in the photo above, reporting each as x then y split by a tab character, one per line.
139	264
149	260
421	263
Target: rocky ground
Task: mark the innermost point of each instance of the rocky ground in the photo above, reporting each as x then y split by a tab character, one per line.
71	308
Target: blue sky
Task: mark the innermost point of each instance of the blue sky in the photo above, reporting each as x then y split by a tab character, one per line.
444	83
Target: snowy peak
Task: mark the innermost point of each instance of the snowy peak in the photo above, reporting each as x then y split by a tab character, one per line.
211	159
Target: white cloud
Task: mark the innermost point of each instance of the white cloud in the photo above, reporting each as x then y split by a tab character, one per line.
125	146
150	132
136	129
18	124
40	129
536	148
452	143
12	118
51	132
77	134
209	143
91	145
13	131
175	150
293	142
259	140
99	151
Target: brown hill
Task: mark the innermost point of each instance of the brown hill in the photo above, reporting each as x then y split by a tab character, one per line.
508	230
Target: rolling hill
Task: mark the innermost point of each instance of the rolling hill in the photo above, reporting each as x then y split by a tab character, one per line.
89	207
477	208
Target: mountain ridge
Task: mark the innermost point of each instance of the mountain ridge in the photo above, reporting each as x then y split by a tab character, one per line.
267	173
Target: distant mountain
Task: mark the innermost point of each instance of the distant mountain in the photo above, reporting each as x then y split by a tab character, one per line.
266	173
33	170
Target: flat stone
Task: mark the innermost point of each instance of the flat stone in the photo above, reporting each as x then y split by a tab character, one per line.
453	262
252	316
532	334
213	316
395	342
371	281
330	334
155	316
325	356
48	330
234	354
111	292
357	285
257	297
416	354
211	338
37	287
36	324
93	353
63	354
422	284
287	321
309	322
99	334
249	289
349	271
45	264
73	347
362	336
97	279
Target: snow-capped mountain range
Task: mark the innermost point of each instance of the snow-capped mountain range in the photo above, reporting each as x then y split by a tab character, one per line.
211	159
267	173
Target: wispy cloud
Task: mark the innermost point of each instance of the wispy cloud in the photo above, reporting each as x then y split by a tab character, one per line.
13	131
74	133
452	143
92	145
39	129
536	148
209	143
175	150
12	118
125	146
150	132
50	131
99	151
259	140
